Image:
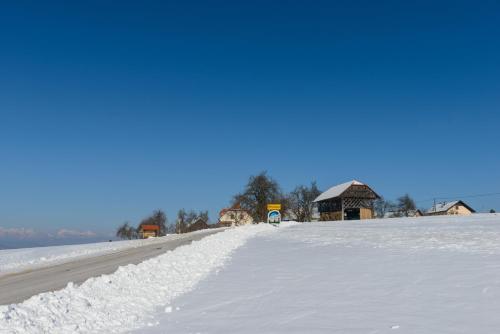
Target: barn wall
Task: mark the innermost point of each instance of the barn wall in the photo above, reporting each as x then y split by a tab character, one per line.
366	213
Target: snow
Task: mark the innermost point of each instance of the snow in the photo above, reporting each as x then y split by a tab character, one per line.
15	260
337	190
400	275
126	299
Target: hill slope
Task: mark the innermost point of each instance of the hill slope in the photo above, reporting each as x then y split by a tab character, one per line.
416	275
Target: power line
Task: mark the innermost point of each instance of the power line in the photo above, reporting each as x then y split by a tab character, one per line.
459	197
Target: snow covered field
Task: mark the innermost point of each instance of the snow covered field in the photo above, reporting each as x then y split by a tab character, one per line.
416	275
15	260
413	275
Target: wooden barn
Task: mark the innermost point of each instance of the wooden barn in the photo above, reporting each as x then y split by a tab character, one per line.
347	201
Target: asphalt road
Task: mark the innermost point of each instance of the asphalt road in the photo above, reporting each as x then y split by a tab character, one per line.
18	287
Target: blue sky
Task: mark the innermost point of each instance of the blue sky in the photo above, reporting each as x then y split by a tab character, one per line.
109	110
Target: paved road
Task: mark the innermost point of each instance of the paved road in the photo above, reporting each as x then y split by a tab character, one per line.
16	288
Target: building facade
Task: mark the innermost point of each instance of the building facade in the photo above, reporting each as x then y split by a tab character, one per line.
352	200
197	224
234	217
148	231
450	208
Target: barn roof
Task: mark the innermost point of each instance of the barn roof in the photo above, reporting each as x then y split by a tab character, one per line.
445	206
338	190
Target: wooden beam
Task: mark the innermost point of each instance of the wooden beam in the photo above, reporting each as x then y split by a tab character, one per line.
342	200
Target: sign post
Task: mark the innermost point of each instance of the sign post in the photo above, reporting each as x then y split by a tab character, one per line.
274	214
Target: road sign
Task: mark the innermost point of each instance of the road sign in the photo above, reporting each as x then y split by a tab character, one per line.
273	207
274	217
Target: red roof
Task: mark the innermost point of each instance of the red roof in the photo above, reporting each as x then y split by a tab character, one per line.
150	227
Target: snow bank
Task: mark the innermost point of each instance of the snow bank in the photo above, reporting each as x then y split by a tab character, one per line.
15	260
125	299
403	275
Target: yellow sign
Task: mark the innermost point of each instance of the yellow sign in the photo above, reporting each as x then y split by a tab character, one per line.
271	207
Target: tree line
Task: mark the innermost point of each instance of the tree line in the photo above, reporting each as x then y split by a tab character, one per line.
159	218
403	207
260	190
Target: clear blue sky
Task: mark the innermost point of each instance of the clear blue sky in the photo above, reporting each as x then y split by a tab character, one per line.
110	110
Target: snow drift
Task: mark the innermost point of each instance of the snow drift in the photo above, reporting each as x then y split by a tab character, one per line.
125	299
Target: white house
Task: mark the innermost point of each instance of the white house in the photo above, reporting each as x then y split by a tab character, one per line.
450	208
234	217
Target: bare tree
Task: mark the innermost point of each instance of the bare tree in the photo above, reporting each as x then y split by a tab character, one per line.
191	216
260	191
406	205
171	228
203	215
185	218
181	223
301	202
125	231
382	207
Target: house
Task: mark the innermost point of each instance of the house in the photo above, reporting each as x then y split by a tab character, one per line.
147	231
197	224
234	217
450	208
347	201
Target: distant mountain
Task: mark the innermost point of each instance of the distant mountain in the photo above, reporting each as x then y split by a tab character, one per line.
28	243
